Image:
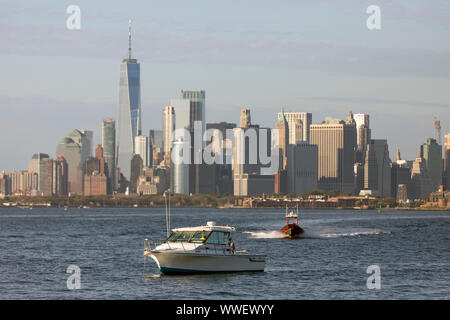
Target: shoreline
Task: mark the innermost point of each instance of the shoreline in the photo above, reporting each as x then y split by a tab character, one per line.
215	201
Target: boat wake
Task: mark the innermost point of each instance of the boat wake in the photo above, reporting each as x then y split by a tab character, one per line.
353	233
278	235
275	234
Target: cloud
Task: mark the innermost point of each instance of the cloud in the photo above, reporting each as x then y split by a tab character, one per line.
157	46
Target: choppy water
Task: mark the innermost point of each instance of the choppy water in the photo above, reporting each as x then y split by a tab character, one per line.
412	250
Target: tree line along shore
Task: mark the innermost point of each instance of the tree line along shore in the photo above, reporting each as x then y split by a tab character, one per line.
309	201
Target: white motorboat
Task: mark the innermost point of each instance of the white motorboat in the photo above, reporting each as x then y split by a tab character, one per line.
203	249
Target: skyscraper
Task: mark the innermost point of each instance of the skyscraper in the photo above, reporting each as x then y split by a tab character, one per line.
60	176
168	127
245	119
431	151
109	151
292	119
370	169
129	112
363	133
136	167
447	161
377	168
182	110
197	106
75	149
301	168
41	164
336	141
283	138
141	146
420	179
89	141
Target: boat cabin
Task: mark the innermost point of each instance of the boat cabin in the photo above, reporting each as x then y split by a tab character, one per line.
290	216
209	234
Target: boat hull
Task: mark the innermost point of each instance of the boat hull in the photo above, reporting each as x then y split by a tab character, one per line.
292	231
186	263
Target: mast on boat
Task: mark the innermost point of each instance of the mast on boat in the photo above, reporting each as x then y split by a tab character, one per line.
167	212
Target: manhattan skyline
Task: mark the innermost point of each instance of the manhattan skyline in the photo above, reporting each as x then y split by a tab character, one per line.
315	57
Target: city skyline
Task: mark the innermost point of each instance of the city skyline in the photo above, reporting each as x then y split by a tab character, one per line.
408	96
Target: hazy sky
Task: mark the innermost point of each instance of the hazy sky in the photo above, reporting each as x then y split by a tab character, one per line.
316	56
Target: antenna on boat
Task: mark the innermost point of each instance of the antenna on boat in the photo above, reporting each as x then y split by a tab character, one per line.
167	213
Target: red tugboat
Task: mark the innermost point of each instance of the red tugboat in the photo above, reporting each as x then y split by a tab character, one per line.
292	230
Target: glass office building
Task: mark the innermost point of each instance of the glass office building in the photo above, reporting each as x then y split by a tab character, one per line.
109	151
129	115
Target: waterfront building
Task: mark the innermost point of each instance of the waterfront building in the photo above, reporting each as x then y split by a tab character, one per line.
296	120
336	143
431	152
109	152
446	178
377	168
41	164
22	183
154	180
137	167
5	182
253	184
402	193
95	184
129	110
420	179
302	168
400	175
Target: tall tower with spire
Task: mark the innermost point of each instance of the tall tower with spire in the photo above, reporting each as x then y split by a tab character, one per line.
129	111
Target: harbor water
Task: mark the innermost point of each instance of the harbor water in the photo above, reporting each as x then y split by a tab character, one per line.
411	249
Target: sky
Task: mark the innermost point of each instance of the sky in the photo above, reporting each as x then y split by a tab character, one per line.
313	56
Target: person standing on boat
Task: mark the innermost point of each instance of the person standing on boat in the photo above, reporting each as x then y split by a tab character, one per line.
231	245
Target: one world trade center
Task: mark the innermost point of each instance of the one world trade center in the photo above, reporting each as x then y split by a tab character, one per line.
129	115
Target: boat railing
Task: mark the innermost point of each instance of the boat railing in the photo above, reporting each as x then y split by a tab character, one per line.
150	244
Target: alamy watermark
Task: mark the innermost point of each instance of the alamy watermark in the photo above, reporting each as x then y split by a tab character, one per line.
374	280
74	280
240	146
374	20
73	22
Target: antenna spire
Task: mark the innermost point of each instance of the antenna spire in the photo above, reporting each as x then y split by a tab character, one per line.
129	39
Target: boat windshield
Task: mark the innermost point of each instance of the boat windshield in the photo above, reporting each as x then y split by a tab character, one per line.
218	237
189	236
